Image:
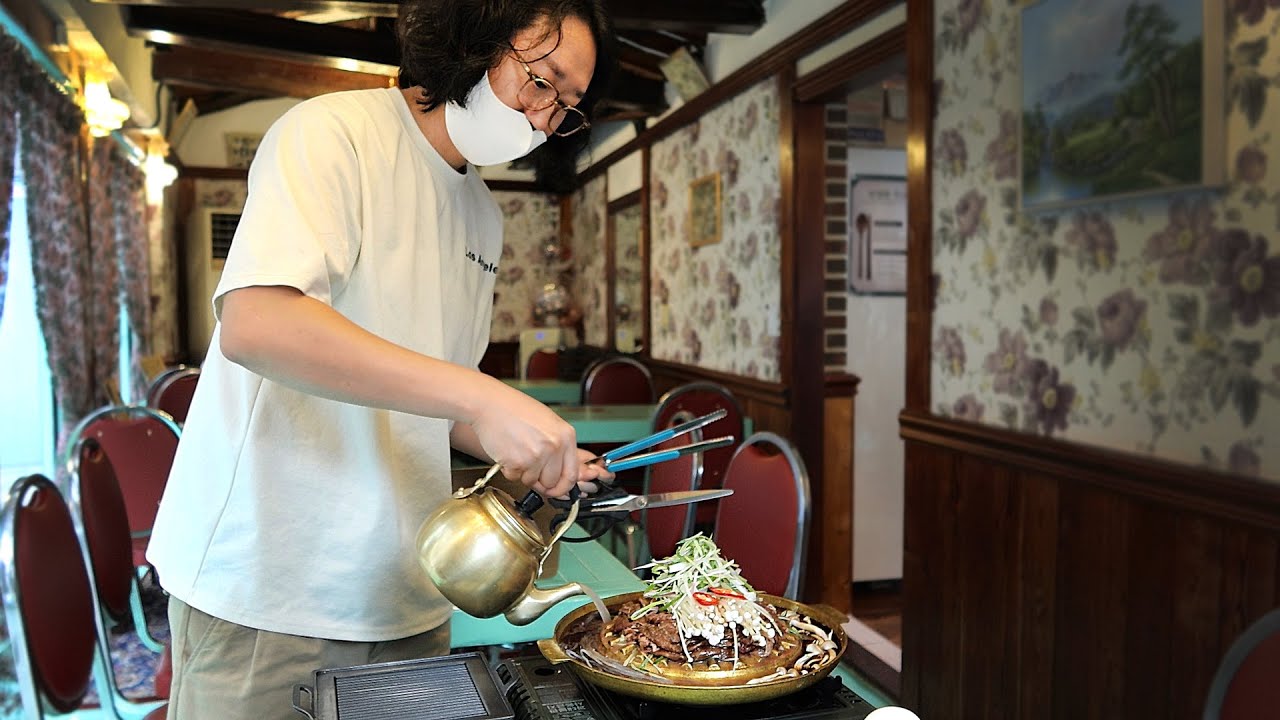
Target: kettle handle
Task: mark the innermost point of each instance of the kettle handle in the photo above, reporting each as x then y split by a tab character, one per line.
531	501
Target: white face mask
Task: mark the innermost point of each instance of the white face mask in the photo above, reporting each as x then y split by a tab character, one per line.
486	131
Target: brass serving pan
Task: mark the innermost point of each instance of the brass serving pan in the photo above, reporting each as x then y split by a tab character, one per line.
697	688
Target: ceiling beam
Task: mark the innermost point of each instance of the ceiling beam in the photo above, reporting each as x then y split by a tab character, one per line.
634	92
703	16
265	36
739	17
377	8
216	70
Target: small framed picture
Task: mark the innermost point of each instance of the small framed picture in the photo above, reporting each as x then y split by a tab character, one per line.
704	210
685	74
241	148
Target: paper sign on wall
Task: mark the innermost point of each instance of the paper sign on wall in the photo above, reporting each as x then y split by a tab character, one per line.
878	234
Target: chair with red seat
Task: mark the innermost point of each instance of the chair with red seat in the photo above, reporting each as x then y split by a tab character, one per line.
696	399
140	442
617	380
49	607
764	525
103	528
172	392
1245	686
543	364
664	527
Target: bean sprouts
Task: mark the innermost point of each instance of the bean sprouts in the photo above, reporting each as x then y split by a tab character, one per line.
706	595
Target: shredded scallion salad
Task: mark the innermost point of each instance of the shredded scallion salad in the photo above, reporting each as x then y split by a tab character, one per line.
706	594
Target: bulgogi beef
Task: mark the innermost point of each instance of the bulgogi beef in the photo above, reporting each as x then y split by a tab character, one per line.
656	634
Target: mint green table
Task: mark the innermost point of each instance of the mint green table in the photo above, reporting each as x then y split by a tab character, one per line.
550	392
615	423
608	423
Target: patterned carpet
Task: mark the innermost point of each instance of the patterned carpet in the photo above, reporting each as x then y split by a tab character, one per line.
134	665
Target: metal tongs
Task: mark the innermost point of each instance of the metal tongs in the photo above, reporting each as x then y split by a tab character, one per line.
615	503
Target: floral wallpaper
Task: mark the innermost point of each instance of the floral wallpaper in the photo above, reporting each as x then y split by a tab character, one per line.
530	256
587	247
628	272
1148	325
717	306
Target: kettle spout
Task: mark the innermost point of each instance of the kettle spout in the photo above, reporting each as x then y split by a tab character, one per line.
538	601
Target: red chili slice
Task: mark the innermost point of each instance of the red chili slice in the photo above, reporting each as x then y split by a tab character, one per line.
706	598
727	593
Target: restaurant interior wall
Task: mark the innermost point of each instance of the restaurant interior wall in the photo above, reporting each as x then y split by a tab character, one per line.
1116	572
531	223
585	239
1120	319
718	306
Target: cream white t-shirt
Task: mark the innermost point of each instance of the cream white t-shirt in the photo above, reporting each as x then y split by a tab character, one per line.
292	513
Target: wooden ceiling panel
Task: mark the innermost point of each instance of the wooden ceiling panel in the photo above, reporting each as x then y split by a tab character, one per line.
228	51
697	16
261	77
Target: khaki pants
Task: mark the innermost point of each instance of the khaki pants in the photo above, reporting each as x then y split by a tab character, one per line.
225	671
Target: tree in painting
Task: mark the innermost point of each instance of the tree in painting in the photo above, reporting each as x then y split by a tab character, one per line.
1122	119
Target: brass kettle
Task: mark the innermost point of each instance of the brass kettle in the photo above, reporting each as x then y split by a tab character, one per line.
483	554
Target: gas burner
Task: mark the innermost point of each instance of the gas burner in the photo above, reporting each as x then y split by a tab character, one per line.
538	690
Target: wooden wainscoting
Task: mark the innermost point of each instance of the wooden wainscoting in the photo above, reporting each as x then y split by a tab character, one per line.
1049	580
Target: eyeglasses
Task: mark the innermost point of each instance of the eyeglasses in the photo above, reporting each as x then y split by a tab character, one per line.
538	93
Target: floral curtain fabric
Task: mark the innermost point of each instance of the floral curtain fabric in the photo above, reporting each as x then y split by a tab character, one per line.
103	306
49	123
8	138
133	254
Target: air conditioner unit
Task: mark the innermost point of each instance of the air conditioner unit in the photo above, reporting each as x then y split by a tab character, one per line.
209	235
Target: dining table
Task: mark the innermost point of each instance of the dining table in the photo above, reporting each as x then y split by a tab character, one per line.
608	423
548	391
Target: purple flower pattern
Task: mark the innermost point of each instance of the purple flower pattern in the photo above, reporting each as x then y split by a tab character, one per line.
1247	278
1183	245
1119	316
1095	238
1169	313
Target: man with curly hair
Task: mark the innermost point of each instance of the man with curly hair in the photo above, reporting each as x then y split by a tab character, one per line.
353	311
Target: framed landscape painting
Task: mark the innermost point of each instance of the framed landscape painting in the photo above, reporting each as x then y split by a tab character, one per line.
1119	99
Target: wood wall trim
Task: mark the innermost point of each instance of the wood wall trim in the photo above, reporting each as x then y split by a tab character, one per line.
841	384
920	109
750	387
1185	487
802	223
826	28
644	249
204	172
836	74
626	201
517	186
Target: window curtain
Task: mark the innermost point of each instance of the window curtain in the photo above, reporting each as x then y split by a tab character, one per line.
49	123
133	250
103	306
9	53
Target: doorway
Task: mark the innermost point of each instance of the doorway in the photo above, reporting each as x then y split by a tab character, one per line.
863	100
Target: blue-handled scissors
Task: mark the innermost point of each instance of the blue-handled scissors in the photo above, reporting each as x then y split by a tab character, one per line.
613	461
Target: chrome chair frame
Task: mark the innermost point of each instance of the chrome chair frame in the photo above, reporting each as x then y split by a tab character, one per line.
76	507
1240	650
78	432
165	381
704	515
795	579
33	700
154	386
